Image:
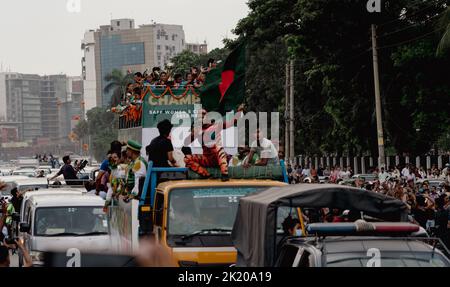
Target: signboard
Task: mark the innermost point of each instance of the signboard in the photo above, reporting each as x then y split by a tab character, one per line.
163	103
180	106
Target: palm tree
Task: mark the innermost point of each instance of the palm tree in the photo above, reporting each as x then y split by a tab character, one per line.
117	83
444	23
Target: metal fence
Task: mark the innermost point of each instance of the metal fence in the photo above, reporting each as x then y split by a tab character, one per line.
361	164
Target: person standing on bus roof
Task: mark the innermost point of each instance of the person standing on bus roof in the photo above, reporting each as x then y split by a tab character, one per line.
160	150
137	169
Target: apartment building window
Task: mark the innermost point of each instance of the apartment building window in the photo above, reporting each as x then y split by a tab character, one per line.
173	48
159	47
167	48
167	37
118	23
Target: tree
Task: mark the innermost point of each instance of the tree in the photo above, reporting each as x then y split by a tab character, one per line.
444	24
101	127
330	42
187	59
117	82
184	61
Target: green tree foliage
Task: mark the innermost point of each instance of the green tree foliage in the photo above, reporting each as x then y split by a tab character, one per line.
117	83
187	59
330	43
101	127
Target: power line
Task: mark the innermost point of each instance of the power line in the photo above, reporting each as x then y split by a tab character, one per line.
413	39
408	27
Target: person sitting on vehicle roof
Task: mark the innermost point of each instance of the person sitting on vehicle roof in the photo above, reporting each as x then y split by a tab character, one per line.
137	170
265	149
117	178
213	153
115	146
69	173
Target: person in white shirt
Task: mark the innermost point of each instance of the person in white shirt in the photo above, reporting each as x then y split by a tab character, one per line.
422	173
383	175
446	171
396	173
266	150
306	172
405	171
345	174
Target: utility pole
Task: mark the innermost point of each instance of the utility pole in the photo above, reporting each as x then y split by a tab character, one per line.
286	113
291	115
380	134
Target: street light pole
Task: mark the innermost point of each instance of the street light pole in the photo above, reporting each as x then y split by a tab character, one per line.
380	134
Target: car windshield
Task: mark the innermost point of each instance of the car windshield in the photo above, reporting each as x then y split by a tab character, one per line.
388	259
195	209
70	220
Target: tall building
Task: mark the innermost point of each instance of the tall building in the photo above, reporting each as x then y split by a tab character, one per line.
71	111
23	104
199	49
3	114
53	93
122	46
40	107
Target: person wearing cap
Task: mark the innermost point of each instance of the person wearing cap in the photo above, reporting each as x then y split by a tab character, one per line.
136	170
160	150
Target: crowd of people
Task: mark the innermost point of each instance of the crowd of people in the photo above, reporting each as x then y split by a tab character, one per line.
130	107
43	159
428	204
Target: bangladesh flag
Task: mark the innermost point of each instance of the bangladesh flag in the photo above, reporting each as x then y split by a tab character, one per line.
224	87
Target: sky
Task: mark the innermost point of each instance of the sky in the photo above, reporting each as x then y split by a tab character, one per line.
44	36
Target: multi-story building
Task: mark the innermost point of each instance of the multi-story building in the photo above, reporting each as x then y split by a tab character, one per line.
23	104
71	110
53	93
41	107
199	49
121	46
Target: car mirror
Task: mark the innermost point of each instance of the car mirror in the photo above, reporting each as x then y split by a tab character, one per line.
24	227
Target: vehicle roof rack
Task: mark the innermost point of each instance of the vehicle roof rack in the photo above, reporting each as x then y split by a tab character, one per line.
277	172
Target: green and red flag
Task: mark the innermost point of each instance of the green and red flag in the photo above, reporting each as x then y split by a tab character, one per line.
224	87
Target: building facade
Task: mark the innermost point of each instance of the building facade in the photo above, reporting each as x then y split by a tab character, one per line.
40	107
122	46
199	49
23	104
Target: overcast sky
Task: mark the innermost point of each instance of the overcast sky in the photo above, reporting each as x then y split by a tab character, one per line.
43	37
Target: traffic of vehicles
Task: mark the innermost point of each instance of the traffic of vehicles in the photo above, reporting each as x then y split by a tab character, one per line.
208	222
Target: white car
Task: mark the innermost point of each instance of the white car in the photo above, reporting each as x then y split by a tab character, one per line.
58	223
30	172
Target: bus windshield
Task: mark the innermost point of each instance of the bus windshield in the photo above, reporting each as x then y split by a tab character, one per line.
195	209
65	221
